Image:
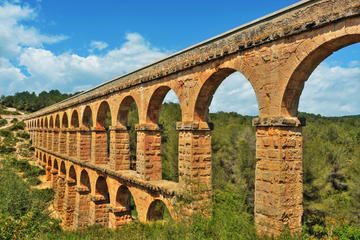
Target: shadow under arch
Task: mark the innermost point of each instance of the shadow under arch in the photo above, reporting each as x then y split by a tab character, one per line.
70	198
127	118
103	123
48	169
72	134
103	110
102	199
165	116
75	119
51	123
208	89
65	121
156	100
82	216
293	90
158	211
55	175
87	118
125	206
60	193
57	121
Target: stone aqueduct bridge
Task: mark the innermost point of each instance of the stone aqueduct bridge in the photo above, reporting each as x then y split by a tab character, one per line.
276	54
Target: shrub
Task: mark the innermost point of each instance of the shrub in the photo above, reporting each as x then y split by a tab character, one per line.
18	126
3	122
14	120
6	133
23	135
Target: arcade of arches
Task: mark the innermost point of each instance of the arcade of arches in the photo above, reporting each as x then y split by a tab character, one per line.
276	54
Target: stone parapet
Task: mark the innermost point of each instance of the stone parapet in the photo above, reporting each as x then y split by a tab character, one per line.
126	176
298	18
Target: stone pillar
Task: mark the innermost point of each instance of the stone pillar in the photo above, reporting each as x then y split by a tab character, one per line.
195	162
82	207
99	153
69	203
278	175
48	172
119	216
40	136
119	148
35	143
44	132
50	133
99	210
60	193
84	144
72	142
54	173
55	146
62	141
148	152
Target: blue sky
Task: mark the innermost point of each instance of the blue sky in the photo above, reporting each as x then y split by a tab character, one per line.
76	45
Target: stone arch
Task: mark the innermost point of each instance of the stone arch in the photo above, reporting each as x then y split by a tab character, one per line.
70	197
72	174
123	208
74	119
51	122
62	169
57	121
44	160
72	134
124	107
55	173
46	123
315	54
82	217
42	123
48	169
102	140
87	117
65	121
207	90
85	135
157	210
61	187
101	114
126	135
154	106
102	199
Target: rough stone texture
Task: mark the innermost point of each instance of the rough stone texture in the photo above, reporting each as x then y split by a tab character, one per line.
72	142
148	152
84	150
276	54
278	179
69	203
119	149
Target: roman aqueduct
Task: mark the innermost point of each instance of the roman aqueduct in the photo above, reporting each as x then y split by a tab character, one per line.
276	53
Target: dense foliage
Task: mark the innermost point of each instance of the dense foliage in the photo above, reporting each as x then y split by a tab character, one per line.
30	102
331	161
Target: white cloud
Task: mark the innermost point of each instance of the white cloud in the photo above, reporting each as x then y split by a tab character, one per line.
14	35
99	45
235	94
332	91
69	72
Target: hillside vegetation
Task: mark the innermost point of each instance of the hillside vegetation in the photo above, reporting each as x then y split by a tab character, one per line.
331	183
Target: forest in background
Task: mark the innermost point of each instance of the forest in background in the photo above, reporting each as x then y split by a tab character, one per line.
331	163
31	102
